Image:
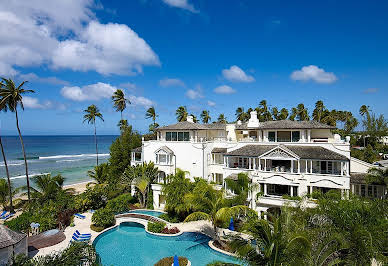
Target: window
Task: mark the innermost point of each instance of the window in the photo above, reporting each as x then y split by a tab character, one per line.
168	136
284	136
177	136
295	136
271	136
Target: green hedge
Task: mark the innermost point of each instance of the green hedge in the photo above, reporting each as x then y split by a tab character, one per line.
103	218
156	227
168	218
121	203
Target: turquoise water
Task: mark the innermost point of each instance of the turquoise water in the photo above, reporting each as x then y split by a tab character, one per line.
148	212
129	244
71	156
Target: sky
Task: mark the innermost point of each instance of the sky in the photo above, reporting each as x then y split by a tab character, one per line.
211	55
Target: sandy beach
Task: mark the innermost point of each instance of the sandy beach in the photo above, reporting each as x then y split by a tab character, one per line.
78	187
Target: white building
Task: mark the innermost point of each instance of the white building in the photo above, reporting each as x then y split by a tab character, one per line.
284	157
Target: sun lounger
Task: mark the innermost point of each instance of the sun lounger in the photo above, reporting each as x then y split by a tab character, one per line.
79	234
80	216
81	237
7	216
3	214
73	238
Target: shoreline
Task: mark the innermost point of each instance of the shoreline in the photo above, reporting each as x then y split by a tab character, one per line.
78	187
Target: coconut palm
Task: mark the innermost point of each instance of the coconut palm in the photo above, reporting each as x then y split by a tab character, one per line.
91	113
222	119
241	115
8	177
4	193
294	113
119	101
318	111
283	114
152	114
142	176
263	112
205	116
195	119
276	243
48	187
210	204
302	113
99	173
123	124
12	97
364	110
181	113
275	113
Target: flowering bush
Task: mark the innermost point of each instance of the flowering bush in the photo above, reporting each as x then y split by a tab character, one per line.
170	231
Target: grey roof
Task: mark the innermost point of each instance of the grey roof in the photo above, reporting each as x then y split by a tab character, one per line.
303	152
358	178
193	126
288	124
219	150
138	149
9	237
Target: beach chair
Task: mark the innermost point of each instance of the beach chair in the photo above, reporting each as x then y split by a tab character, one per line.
81	237
80	216
3	214
7	216
79	234
73	238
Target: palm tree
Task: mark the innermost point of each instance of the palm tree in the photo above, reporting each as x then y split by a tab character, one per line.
119	101
222	119
91	113
275	113
276	243
294	113
318	111
99	173
142	176
205	116
241	115
12	96
4	193
283	114
152	114
181	113
210	204
302	113
364	110
123	124
8	177
263	112
195	119
48	187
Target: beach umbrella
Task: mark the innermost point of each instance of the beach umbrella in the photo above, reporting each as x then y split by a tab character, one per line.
176	261
231	224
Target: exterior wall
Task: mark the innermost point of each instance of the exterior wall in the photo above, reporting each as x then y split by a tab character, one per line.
358	166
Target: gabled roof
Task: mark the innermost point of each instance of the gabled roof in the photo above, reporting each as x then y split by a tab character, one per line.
193	126
288	124
219	150
138	149
165	149
303	152
9	237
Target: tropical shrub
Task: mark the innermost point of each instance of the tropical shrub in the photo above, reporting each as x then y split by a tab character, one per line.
169	218
170	231
170	260
93	198
20	223
155	227
103	218
121	203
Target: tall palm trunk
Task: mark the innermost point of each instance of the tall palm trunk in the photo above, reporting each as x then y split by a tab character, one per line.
121	115
95	140
24	155
9	179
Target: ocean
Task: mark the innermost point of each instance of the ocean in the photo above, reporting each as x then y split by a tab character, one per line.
70	156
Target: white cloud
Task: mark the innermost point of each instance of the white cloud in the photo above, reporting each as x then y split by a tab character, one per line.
211	103
167	82
93	92
46	32
371	90
315	74
107	49
35	103
129	86
48	80
184	4
224	89
140	101
236	74
195	94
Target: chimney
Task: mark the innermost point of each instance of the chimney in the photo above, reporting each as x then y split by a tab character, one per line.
253	121
190	119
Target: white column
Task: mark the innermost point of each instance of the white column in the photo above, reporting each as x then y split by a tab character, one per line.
250	163
265	164
265	189
298	166
254	163
291	191
306	166
259	164
311	166
292	166
308	135
342	168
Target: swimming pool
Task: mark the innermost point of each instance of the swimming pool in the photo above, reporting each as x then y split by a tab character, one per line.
148	212
129	244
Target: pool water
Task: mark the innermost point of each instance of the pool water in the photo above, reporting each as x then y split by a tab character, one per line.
148	212
129	244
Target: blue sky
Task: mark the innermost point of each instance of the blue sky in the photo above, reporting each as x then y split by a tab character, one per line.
204	54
